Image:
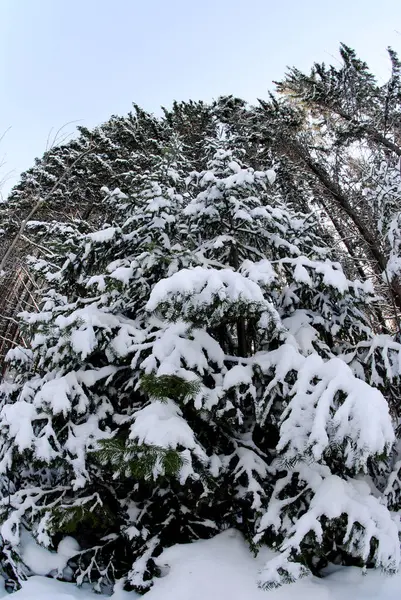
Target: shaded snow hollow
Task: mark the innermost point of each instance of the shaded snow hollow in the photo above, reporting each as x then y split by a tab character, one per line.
223	569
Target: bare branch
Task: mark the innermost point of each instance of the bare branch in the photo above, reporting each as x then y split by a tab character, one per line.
36	207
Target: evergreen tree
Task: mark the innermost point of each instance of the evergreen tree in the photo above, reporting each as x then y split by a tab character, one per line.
81	350
353	122
187	373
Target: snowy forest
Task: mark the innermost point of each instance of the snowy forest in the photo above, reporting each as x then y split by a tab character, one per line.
200	320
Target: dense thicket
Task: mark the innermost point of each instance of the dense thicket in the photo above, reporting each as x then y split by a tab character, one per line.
215	342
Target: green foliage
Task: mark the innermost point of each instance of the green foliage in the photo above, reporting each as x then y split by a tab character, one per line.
69	519
139	461
162	387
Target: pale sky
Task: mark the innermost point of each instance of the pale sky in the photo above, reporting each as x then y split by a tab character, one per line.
65	61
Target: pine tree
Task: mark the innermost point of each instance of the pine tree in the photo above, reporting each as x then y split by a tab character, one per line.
353	122
188	373
81	343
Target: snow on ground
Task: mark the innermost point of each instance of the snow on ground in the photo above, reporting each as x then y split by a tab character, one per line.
224	569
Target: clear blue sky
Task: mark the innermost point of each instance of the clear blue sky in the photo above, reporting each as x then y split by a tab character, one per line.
83	60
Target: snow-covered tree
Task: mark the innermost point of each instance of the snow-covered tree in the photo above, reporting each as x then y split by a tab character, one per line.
187	373
350	121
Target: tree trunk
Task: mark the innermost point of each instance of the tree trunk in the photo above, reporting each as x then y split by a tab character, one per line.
293	147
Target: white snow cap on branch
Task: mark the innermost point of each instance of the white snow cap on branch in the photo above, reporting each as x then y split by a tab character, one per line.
202	287
329	406
205	295
161	424
368	524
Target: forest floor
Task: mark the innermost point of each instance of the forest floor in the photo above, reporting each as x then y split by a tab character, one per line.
223	569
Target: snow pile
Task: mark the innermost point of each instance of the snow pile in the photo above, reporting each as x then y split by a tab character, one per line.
43	562
224	569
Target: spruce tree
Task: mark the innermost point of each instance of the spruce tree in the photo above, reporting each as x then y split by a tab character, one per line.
188	373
